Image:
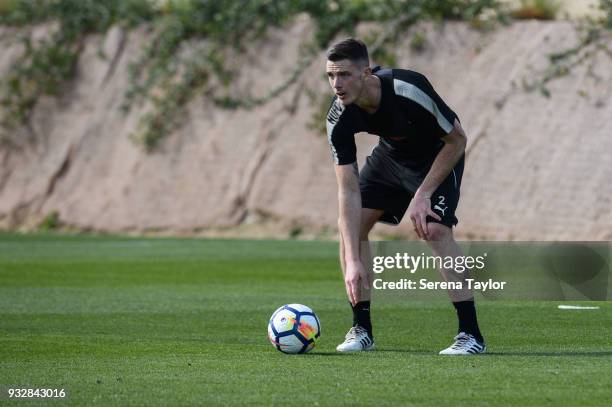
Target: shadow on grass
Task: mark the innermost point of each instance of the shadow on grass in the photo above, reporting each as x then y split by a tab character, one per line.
317	353
511	353
561	353
435	353
423	352
409	351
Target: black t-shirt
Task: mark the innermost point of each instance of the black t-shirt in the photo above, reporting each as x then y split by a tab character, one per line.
410	120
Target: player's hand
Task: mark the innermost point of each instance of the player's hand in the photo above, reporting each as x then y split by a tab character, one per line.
355	279
418	210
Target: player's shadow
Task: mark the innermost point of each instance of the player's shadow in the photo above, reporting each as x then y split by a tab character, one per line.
413	351
318	353
533	354
561	353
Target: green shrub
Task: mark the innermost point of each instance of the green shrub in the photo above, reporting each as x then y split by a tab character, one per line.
537	9
165	76
50	222
417	42
605	6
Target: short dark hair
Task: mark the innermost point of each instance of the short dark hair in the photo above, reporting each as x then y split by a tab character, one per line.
352	49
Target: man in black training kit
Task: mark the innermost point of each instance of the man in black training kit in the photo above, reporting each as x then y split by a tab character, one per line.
416	167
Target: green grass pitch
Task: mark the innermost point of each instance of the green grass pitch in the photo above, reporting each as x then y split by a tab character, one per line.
168	321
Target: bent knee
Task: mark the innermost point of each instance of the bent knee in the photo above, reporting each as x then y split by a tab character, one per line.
365	228
439	232
364	231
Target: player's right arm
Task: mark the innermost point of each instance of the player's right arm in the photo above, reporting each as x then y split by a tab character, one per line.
341	129
349	220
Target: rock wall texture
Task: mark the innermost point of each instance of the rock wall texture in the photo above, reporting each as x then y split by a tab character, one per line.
537	167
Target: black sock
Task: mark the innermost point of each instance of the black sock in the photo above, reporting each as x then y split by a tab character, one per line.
361	316
466	312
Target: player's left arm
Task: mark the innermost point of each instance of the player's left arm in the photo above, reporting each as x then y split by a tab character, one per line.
445	161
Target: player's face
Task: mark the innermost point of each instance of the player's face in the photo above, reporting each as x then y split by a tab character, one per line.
346	79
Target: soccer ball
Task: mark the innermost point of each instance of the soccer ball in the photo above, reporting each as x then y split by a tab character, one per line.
294	328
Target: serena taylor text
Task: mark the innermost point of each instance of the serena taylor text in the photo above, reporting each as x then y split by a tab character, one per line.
424	284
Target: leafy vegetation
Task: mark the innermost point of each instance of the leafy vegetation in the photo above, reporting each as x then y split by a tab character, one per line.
46	64
188	45
537	9
50	222
594	38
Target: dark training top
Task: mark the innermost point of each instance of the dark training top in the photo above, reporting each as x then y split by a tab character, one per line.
410	120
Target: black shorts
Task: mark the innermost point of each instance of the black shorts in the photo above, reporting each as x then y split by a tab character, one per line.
389	185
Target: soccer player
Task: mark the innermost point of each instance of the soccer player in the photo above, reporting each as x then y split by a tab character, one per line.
416	167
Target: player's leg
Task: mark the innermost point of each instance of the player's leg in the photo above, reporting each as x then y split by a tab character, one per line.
444	202
442	243
382	199
361	310
469	339
360	336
